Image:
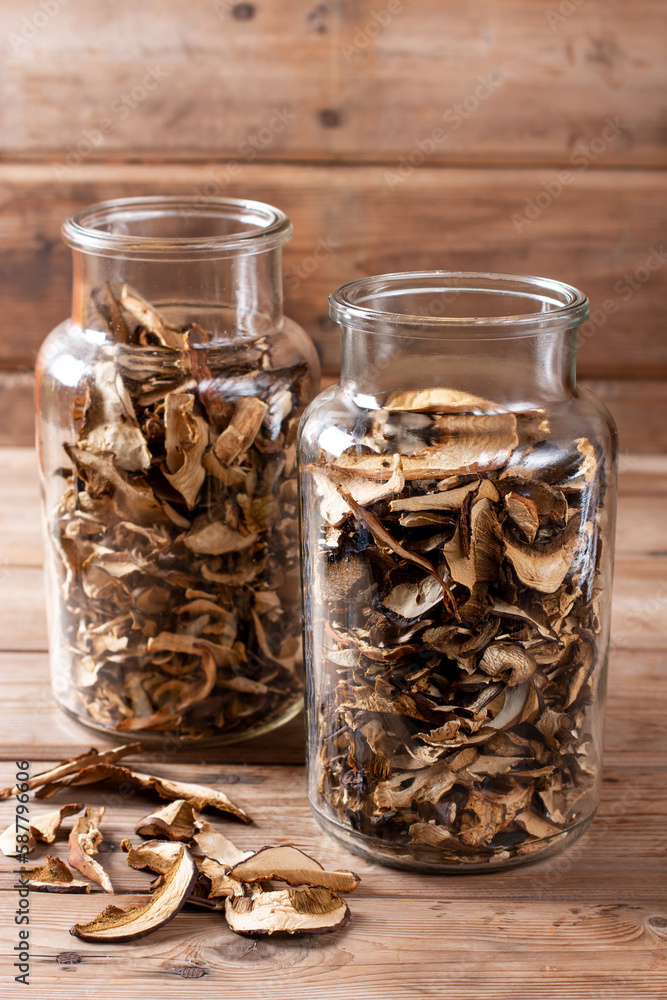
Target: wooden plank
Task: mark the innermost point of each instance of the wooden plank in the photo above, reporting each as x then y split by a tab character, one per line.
594	918
381	957
639	407
602	228
363	81
635	733
626	838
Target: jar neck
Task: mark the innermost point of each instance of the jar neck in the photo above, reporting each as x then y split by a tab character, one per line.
236	296
517	372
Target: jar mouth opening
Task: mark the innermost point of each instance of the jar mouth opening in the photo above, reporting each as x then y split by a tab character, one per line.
457	304
176	227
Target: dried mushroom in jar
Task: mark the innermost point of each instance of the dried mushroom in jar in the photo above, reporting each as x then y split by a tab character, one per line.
454	615
176	533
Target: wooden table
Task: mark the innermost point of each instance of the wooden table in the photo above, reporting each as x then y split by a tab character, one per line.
589	924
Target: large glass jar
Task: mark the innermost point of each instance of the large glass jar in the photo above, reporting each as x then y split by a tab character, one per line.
458	505
168	409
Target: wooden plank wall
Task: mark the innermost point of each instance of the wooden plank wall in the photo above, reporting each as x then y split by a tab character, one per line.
498	134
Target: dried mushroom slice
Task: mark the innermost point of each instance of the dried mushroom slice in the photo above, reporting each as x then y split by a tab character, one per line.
289	864
199	796
83	843
210	843
287	911
156	855
116	925
53	876
75	764
10	844
176	821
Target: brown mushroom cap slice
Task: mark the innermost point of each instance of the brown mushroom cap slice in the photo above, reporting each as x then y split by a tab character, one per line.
544	569
83	843
199	795
508	658
156	855
441	400
116	925
287	911
210	843
53	876
45	826
289	864
524	514
176	821
75	764
11	847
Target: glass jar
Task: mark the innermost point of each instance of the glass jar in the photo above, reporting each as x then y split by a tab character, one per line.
167	414
458	510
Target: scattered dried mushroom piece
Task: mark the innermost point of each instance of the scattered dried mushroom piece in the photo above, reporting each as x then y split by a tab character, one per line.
52	876
116	925
83	843
176	821
458	615
73	766
199	796
287	911
42	828
178	520
289	864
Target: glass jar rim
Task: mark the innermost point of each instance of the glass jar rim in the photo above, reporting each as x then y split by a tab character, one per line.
558	305
266	227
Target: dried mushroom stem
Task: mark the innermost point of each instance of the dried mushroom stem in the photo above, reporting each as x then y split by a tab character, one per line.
458	609
175	536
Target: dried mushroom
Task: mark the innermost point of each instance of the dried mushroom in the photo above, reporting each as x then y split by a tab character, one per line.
117	925
83	843
45	826
41	828
176	821
52	876
289	864
74	765
199	796
287	911
455	619
175	533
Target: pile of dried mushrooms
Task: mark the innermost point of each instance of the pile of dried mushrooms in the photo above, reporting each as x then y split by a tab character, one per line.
195	863
454	613
176	534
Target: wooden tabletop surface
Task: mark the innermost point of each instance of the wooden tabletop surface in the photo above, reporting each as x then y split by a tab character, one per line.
591	923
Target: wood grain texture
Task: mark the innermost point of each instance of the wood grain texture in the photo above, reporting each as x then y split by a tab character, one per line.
362	81
587	924
598	234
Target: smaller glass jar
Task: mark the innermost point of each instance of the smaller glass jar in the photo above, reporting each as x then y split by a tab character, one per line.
167	414
458	510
